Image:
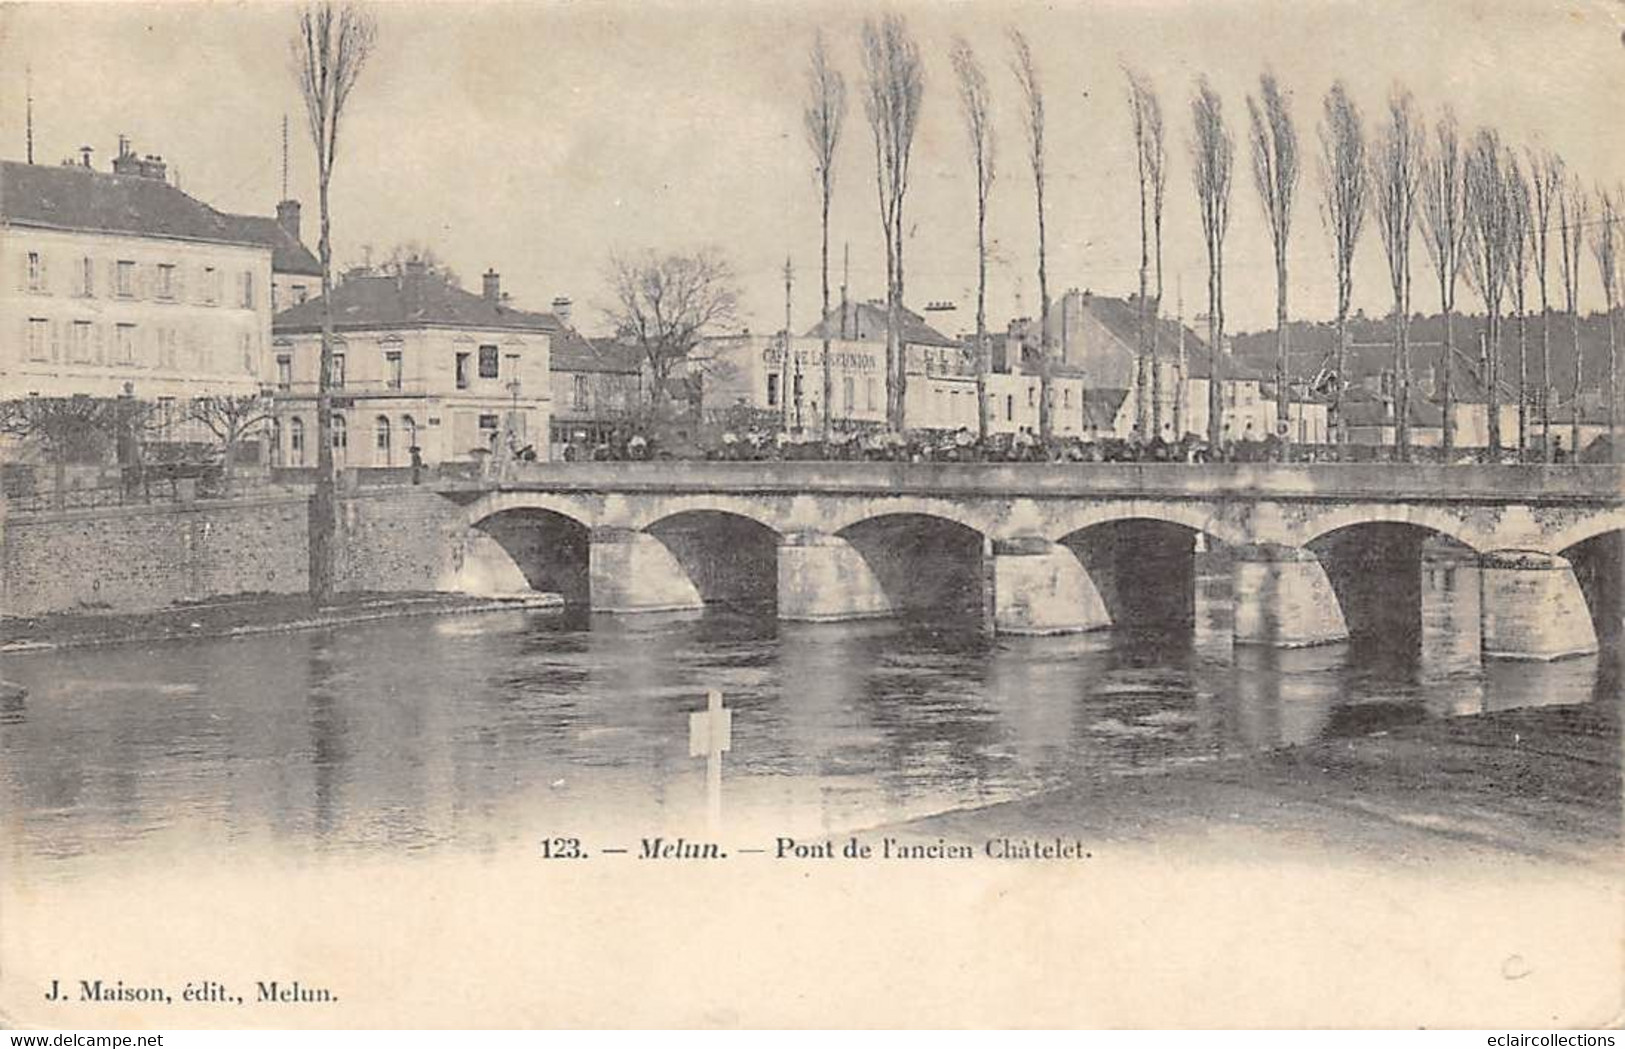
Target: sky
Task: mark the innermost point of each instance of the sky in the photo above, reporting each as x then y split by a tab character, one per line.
539	138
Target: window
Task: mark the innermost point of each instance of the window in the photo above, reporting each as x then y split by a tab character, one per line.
869	394
1066	397
166	347
80	350
772	389
488	432
87	276
341	438
124	279
245	344
36	272
392	369
488	362
166	418
39	336
247	300
796	386
296	441
578	400
462	371
211	284
1032	396
274	439
166	281
124	344
300	294
849	393
381	441
284	371
338	371
1009	407
409	430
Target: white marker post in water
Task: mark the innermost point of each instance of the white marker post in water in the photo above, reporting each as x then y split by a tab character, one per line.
710	733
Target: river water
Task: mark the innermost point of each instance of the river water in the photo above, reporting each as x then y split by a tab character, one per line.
487	733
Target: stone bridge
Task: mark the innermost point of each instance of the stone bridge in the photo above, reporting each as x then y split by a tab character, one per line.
1317	550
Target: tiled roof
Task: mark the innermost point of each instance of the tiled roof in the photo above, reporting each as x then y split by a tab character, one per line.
574	352
415	300
867	320
79	198
1101	407
287	254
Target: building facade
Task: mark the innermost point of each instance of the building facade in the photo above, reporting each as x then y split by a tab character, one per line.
419	363
597	387
119	284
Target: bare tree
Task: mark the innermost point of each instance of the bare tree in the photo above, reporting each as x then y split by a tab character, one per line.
1444	227
1274	141
1605	245
894	86
72	429
823	115
1546	182
1151	154
230	417
975	108
1572	208
1345	189
1213	152
1396	168
1489	257
1519	221
418	252
1032	115
664	306
329	49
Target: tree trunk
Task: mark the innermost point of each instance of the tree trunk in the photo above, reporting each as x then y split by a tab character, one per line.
1579	379
1046	411
983	364
1546	391
324	517
1215	352
1339	361
1448	359
1283	409
1492	354
895	322
1613	385
1402	434
1523	384
829	368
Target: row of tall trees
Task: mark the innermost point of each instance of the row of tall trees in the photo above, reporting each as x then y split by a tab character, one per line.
1485	213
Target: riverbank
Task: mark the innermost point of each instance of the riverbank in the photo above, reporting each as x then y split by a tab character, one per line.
242	616
1542	784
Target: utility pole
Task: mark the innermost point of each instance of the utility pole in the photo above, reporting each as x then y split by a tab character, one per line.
284	156
28	94
793	386
846	275
1179	377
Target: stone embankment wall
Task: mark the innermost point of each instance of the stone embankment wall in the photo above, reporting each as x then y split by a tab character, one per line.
132	558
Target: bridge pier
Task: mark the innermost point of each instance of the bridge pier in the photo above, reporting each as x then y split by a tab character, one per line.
1283	598
823	579
1533	607
633	571
1040	587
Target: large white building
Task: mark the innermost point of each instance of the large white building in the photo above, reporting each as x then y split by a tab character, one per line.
118	284
418	363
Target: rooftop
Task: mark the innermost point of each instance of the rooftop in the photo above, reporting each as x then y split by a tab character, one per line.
415	299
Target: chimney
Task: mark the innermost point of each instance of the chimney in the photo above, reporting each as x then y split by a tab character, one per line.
561	309
492	286
287	216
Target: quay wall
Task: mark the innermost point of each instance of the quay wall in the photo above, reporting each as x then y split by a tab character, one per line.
137	558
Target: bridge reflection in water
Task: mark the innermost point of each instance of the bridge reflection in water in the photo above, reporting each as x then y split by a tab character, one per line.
482	733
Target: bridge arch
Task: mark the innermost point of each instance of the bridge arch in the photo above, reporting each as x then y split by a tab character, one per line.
582	510
729	556
653	510
1196	517
924	563
1589	527
518	548
1318	526
975	517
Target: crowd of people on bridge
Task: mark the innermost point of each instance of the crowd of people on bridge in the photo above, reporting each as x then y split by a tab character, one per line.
763	444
